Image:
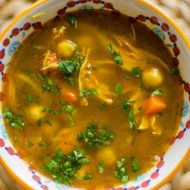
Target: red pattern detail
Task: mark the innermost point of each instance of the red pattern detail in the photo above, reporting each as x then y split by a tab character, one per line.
175	61
160	164
27	26
36	178
154	20
180	134
132	188
154	175
15	31
2	66
61	12
71	4
4	78
187	87
83	1
119	188
45	187
10	151
37	25
108	5
6	42
176	51
165	27
2	54
141	18
144	184
188	124
96	1
2	143
173	37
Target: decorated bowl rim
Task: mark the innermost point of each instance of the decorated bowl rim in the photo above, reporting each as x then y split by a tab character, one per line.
150	6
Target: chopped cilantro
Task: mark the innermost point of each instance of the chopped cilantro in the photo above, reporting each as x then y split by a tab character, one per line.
116	56
118	89
149	61
64	167
137	72
47	84
157	92
30	99
120	170
42	143
93	137
13	120
135	165
127	106
101	166
30	144
39	121
73	20
102	106
87	92
175	71
87	176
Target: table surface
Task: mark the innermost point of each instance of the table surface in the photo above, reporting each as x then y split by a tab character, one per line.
177	9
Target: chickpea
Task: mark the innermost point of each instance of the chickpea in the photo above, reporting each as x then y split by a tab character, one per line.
107	155
66	49
152	78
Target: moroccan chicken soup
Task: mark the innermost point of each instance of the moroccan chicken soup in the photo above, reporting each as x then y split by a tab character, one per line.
92	100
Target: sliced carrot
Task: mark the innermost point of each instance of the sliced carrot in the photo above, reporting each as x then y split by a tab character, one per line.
154	105
69	95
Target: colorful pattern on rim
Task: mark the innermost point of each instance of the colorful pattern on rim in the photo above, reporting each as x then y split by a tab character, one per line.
161	30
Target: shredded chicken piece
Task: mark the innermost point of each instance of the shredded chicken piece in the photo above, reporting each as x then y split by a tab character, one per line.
58	32
50	62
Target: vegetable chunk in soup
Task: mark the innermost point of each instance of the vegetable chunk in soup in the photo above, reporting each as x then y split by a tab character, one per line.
92	100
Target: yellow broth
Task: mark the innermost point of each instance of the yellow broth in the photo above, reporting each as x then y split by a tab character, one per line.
45	132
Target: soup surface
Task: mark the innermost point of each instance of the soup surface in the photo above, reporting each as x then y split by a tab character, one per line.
92	100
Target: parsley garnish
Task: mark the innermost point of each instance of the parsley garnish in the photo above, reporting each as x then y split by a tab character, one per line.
93	137
127	106
13	120
47	84
64	167
30	99
157	92
137	72
118	89
120	170
101	166
116	56
135	165
87	92
87	176
73	20
39	121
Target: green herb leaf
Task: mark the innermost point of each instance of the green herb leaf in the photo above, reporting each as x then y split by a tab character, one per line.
87	92
39	121
120	170
73	20
29	100
101	166
135	165
126	105
30	144
87	176
175	71
102	106
47	84
13	120
94	138
137	72
118	89
157	92
42	143
116	56
63	168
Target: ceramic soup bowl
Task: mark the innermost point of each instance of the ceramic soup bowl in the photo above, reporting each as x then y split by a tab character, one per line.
33	19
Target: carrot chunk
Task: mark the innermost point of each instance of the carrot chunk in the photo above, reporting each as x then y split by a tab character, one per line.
70	96
154	105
